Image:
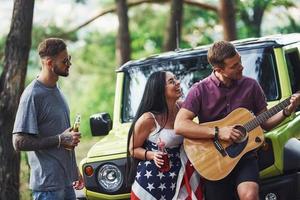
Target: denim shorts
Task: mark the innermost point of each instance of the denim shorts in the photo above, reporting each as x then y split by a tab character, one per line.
63	194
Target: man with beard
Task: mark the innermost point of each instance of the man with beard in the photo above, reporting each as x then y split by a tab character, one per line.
42	128
213	98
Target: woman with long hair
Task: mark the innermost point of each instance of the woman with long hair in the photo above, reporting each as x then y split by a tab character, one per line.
153	126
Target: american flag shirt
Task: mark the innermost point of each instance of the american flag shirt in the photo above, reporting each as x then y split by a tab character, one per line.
150	183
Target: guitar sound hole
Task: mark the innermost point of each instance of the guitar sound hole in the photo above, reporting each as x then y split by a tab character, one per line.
244	133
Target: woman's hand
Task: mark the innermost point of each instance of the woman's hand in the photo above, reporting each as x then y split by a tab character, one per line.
157	158
79	184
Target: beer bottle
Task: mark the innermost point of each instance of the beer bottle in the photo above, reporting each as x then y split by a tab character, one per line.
74	128
76	125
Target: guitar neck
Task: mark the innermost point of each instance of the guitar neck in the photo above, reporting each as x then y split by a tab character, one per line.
266	115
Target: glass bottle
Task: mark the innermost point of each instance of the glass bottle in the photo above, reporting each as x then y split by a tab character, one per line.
161	147
75	128
76	125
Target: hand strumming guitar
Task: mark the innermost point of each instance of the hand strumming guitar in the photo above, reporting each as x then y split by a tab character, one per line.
229	134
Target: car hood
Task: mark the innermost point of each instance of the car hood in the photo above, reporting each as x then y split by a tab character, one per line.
113	143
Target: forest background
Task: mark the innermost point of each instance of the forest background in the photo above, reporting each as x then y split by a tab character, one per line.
102	35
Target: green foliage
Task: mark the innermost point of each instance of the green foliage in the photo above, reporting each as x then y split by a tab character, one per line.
147	26
40	32
250	11
90	86
81	1
292	27
198	26
285	3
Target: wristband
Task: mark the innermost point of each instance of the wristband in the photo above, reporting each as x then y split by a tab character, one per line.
284	113
59	141
146	154
216	133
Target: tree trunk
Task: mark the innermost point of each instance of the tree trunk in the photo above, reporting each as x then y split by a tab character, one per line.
253	21
11	86
173	32
258	12
227	16
123	49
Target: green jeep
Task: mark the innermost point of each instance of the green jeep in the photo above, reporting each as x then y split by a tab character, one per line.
273	61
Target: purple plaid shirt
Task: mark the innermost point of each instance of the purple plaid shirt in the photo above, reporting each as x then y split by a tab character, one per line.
210	100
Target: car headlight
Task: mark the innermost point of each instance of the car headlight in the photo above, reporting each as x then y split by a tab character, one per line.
110	177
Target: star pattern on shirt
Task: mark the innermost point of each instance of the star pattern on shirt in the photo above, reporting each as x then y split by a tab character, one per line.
172	174
147	163
160	175
150	186
138	175
163	197
173	186
148	174
162	186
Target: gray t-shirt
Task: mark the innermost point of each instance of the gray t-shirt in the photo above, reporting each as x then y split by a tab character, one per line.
44	112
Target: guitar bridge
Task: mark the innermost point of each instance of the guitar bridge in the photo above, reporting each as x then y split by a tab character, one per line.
220	148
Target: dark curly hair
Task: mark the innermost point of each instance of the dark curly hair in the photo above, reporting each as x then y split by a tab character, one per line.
51	47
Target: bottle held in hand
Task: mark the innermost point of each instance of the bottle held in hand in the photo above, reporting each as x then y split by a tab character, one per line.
161	147
76	125
75	128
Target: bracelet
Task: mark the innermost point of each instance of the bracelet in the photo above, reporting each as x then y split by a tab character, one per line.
59	141
216	133
284	113
146	154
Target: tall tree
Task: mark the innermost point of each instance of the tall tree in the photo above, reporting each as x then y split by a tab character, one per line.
227	16
123	49
173	32
253	21
252	12
11	86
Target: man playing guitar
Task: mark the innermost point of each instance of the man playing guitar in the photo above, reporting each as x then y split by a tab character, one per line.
213	98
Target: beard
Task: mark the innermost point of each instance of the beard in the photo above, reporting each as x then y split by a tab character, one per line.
60	72
234	77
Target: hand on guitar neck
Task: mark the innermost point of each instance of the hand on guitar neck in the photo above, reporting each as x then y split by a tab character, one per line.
294	103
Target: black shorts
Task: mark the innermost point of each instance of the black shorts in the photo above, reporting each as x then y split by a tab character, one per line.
225	189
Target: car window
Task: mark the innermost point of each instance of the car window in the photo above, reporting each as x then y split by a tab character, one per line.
258	64
292	61
188	71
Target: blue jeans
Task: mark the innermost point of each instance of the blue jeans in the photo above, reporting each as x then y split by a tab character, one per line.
63	194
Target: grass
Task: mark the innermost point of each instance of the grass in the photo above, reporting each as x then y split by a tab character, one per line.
81	151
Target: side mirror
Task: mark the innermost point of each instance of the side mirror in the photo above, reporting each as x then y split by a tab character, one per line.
100	124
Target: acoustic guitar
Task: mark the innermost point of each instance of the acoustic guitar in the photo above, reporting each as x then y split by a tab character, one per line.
215	159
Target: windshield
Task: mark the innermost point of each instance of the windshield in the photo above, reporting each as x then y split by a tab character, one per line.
258	64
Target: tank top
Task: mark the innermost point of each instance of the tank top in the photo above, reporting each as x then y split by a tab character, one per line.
167	135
